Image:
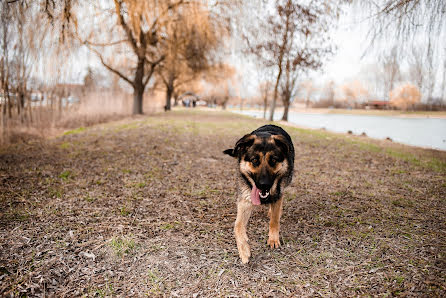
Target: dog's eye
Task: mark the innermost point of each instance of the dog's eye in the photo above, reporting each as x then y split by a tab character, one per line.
255	161
273	161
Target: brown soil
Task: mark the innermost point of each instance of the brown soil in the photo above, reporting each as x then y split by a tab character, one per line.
146	207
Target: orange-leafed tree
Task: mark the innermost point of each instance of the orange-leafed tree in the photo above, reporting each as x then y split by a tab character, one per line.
354	91
131	33
405	97
193	36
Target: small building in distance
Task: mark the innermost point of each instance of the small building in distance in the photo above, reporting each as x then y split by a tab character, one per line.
377	105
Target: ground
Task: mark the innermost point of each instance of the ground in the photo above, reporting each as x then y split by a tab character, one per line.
146	206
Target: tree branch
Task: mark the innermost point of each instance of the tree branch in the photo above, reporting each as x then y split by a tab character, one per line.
152	69
122	76
126	28
100	44
169	7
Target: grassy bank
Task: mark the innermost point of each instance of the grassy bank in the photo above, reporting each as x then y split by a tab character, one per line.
146	206
393	113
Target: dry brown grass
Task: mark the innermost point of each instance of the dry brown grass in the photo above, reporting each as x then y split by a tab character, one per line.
43	121
146	207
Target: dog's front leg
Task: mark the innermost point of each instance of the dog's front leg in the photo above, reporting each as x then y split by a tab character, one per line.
244	209
275	211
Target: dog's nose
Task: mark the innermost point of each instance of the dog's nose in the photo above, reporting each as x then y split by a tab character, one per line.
264	186
265	183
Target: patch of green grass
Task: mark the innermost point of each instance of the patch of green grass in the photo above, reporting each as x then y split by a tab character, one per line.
153	174
169	225
123	246
65	175
65	145
124	211
74	131
89	199
141	184
204	192
342	193
289	197
55	192
105	291
437	165
131	125
153	276
368	146
395	171
399	279
402	203
427	162
404	156
154	281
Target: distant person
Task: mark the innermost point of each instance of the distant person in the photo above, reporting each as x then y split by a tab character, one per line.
194	103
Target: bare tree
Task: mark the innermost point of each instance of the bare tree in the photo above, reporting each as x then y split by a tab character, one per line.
265	89
403	19
6	20
390	70
421	70
330	92
443	81
21	34
295	41
307	89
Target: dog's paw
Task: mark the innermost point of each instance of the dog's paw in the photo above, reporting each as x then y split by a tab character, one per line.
245	252
273	241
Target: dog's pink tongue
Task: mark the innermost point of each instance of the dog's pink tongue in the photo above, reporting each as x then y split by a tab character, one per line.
255	196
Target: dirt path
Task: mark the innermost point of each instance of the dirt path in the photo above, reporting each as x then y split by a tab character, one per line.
146	207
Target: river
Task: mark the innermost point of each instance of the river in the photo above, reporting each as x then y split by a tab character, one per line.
421	132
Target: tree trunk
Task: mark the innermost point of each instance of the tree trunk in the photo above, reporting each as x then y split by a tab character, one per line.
137	100
175	99
17	100
285	111
169	92
276	89
138	87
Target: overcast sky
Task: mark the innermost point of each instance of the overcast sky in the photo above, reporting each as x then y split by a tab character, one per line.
351	56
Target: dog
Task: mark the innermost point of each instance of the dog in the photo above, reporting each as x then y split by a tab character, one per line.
265	162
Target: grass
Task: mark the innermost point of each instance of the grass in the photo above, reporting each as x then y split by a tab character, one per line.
123	246
65	175
74	131
368	145
154	200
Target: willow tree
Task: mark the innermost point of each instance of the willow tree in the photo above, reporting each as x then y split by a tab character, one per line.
192	37
137	45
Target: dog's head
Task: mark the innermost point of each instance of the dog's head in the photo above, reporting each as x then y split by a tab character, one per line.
264	160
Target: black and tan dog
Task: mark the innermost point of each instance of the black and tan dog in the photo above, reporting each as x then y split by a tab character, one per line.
266	161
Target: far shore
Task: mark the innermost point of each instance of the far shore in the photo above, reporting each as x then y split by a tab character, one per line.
393	113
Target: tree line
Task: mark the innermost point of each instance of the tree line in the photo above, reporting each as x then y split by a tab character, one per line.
176	45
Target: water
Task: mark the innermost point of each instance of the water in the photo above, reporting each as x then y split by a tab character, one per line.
421	132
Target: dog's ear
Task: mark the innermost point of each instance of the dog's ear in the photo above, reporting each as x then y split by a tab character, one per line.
243	143
282	143
240	146
229	152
